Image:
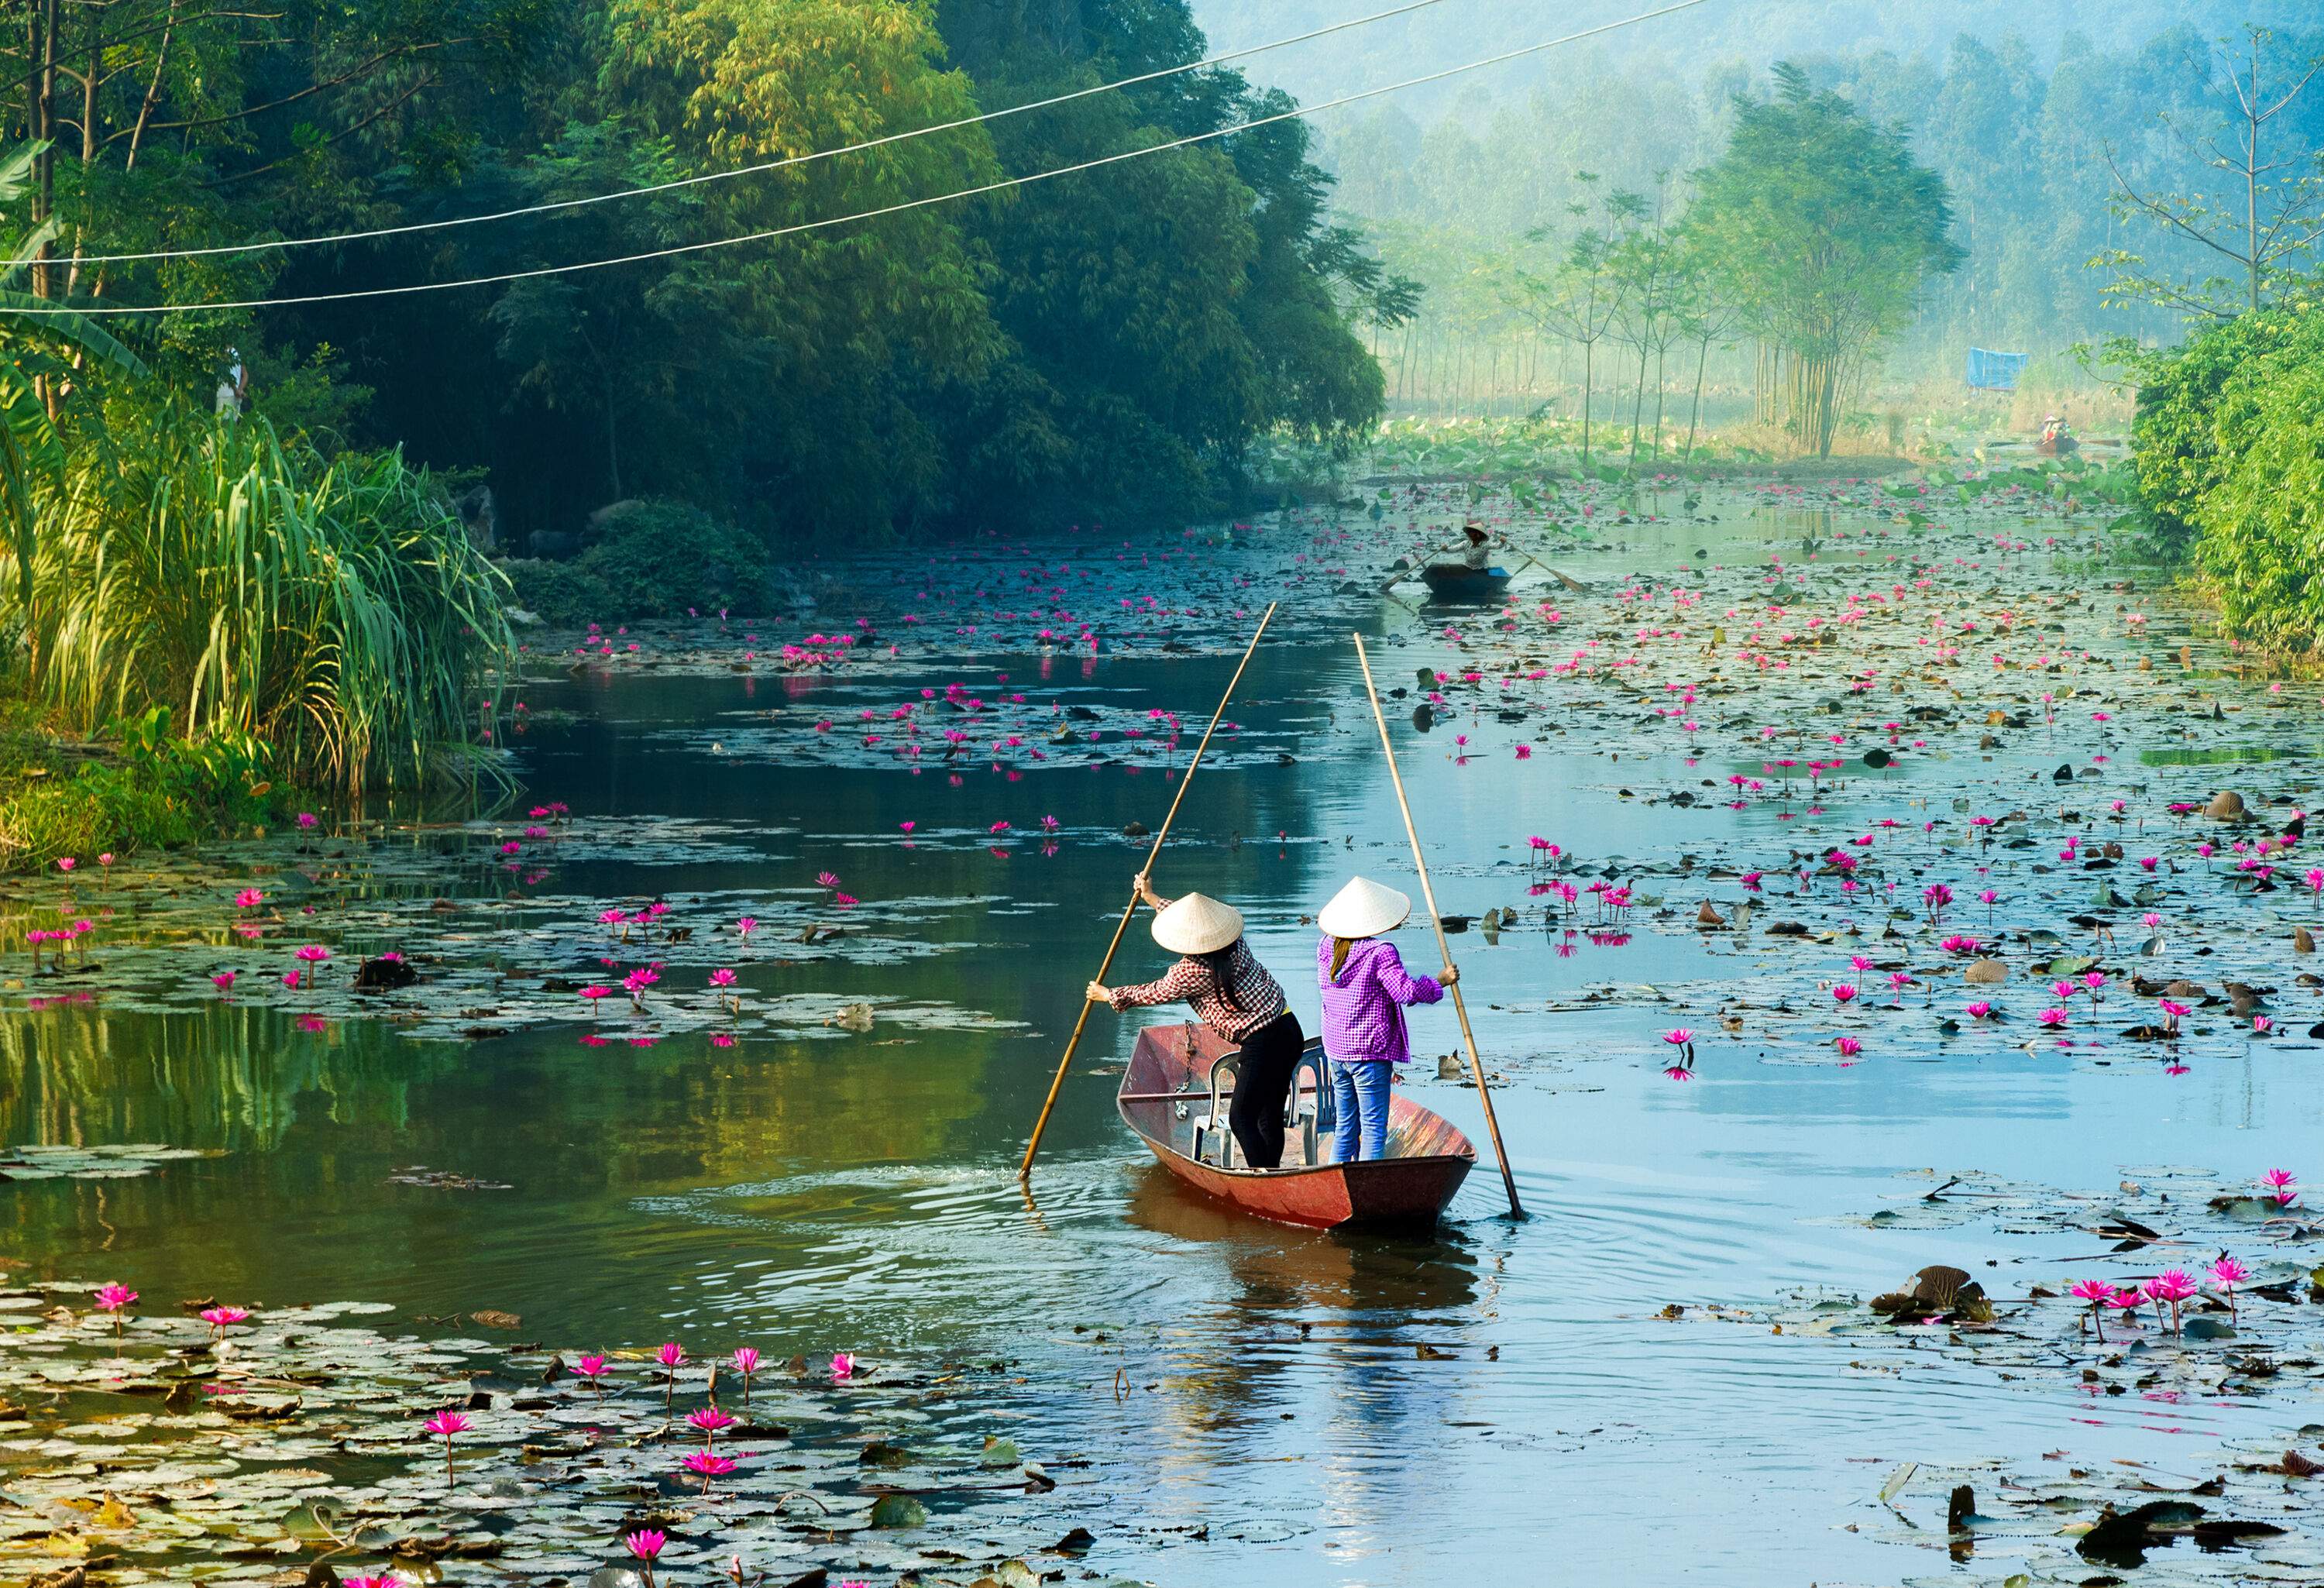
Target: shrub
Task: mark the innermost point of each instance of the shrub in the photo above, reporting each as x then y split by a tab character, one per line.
2173	434
655	560
163	793
2261	509
560	593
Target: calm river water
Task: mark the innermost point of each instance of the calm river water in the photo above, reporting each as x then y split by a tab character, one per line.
1250	1402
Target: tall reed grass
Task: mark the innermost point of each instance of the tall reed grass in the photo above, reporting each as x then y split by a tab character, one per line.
333	612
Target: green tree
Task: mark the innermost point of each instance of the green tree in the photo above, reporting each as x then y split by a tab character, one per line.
1825	226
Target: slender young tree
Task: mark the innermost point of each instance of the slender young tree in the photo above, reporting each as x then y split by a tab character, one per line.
2264	214
1582	294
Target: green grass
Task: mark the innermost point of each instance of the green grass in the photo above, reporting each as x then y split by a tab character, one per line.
326	619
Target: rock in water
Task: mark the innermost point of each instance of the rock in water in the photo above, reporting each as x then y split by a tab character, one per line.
1986	973
384	973
2226	805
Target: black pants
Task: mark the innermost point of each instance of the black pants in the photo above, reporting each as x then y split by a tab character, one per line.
1262	1081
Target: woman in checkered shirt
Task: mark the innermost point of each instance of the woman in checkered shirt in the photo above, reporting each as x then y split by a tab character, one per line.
1233	993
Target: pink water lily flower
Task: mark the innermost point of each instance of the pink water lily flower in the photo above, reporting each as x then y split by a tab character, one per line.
2227	1273
708	1465
842	1365
2172	1286
2098	1293
115	1299
446	1424
220	1317
645	1545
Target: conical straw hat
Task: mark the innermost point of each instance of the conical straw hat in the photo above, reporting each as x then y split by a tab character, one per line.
1197	924
1363	908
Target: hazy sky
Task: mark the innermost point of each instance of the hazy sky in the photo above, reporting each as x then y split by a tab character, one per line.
1755	30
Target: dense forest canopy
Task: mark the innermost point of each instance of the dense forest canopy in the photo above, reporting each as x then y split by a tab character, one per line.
1102	343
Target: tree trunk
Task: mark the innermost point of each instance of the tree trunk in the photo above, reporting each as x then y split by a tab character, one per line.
1589	366
1702	358
1661	393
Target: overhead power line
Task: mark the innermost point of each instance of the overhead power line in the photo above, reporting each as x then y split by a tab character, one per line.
409	228
770	233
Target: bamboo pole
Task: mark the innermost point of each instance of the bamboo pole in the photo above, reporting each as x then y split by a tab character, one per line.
1460	1005
1057	1082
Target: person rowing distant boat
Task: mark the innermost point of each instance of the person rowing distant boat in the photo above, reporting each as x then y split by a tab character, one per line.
1477	555
1233	994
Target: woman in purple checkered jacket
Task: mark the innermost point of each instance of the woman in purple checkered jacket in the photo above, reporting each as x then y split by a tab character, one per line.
1365	988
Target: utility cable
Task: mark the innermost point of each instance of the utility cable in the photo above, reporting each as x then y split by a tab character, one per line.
677	250
409	228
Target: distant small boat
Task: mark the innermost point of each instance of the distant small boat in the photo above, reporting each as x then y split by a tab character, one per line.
1174	1095
1453	581
2057	445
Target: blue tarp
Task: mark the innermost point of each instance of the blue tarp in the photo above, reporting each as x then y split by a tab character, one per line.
1995	372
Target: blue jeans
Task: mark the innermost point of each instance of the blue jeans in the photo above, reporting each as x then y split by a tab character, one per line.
1360	1098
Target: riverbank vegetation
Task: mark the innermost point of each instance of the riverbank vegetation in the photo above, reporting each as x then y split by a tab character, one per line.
298	590
2230	462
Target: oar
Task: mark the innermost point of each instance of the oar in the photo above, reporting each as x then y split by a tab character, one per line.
1056	1084
1460	1005
1414	571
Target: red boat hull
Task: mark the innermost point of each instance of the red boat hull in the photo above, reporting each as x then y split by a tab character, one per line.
1428	1156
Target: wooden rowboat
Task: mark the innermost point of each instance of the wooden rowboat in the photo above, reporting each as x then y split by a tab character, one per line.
2056	446
1168	1095
1453	581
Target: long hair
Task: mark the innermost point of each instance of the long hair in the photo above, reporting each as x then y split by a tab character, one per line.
1220	962
1340	946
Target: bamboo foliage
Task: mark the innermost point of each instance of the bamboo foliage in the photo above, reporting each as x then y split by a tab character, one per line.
335	613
